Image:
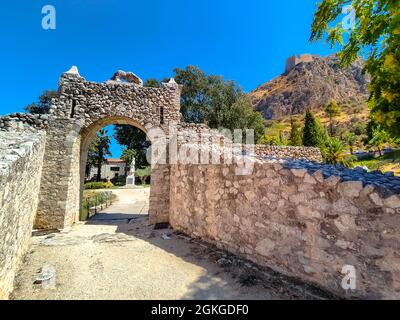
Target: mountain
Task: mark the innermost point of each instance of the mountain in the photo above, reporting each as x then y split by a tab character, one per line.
311	81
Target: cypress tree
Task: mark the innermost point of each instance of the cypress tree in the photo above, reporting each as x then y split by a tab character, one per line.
310	131
295	133
314	133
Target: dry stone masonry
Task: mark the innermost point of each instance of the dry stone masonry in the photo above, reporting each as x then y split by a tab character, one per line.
21	161
305	221
24	122
290	212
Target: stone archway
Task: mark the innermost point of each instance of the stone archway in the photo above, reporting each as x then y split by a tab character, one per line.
157	180
82	108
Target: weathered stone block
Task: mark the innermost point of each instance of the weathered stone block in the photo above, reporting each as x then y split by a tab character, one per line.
350	189
393	202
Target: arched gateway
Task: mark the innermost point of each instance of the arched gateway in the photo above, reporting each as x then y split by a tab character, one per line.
81	109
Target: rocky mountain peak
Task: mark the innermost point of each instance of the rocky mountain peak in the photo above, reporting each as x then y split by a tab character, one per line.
311	81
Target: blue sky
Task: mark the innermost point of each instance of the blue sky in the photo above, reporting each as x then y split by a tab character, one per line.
247	41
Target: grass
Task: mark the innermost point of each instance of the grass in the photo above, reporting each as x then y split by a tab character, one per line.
348	113
388	162
90	198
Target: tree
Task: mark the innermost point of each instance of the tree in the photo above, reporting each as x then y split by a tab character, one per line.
206	99
274	140
152	83
98	151
334	153
314	134
133	139
238	115
332	110
91	158
219	103
380	138
376	34
295	138
128	155
143	174
196	92
42	106
274	134
350	138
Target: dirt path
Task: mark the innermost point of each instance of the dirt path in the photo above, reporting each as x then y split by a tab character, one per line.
117	255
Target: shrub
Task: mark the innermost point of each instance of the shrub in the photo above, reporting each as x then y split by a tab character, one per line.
143	174
119	181
98	185
334	153
94	199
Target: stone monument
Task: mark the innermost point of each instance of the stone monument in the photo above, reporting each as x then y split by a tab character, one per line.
130	179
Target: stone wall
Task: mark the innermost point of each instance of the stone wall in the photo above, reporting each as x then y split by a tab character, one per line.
89	102
60	186
24	122
303	219
21	157
192	133
288	152
159	205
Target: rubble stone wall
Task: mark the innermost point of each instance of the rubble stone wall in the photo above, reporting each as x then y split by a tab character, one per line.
303	219
21	159
192	133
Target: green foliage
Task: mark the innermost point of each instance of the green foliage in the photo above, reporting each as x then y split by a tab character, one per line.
143	174
332	110
295	138
350	138
238	115
377	35
42	106
119	181
204	99
314	134
219	103
359	127
274	135
334	153
274	140
92	199
133	139
390	161
380	138
310	132
128	155
152	83
197	92
98	185
99	149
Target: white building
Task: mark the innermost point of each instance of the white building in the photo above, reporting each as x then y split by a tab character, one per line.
111	169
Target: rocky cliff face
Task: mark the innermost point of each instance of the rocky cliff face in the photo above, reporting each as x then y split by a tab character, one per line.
310	82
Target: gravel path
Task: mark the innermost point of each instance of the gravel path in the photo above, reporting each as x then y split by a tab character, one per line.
117	255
